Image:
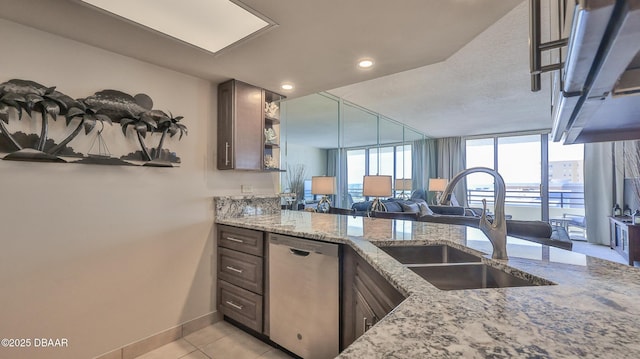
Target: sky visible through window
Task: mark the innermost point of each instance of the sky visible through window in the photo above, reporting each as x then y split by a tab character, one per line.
519	162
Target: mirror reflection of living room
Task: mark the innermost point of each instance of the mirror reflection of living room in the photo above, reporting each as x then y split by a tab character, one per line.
330	137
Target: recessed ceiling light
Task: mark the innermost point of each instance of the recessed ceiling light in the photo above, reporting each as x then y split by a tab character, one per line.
365	63
287	87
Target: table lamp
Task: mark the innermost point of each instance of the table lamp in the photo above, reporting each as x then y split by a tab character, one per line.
323	185
437	185
377	186
403	185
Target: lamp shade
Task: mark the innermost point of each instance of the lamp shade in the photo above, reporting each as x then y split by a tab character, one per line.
403	184
323	185
437	184
376	186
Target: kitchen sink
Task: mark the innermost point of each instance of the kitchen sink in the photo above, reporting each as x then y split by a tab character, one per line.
449	268
470	276
429	254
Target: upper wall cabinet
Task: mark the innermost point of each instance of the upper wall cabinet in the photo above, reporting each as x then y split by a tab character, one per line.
248	127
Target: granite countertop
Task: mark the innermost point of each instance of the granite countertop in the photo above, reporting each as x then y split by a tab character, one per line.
590	311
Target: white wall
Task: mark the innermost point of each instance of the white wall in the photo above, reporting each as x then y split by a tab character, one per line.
314	159
108	255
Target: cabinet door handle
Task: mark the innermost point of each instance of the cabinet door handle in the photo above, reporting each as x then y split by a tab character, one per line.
234	305
366	325
226	154
234	269
235	240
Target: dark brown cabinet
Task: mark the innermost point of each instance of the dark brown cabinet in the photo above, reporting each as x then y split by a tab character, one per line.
366	296
241	275
243	282
248	127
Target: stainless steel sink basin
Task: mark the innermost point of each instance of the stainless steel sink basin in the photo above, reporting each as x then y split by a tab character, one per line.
429	254
470	276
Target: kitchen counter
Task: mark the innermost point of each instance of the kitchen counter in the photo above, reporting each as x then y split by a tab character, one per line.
590	311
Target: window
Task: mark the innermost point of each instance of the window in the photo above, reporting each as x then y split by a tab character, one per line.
392	161
537	187
356	169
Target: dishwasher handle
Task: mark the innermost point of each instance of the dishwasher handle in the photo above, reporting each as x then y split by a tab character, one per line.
299	252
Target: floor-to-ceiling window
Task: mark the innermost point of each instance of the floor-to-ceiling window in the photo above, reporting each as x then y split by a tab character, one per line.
566	183
480	153
356	169
520	165
544	179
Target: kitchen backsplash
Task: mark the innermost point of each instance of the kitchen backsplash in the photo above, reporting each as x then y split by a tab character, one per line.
235	206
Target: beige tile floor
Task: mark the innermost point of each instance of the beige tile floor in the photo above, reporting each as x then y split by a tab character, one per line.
218	341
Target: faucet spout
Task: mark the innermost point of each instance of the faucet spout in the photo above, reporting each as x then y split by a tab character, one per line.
495	230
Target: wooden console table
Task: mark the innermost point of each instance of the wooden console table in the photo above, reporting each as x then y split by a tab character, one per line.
625	238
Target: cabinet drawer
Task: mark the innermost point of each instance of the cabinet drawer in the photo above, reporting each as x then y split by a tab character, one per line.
241	239
241	305
241	269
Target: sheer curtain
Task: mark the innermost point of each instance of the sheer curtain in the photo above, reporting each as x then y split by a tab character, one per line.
599	190
451	158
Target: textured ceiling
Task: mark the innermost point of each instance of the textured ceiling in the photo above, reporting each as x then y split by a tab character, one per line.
316	44
483	88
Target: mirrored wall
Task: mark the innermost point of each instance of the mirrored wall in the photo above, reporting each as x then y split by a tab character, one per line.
324	135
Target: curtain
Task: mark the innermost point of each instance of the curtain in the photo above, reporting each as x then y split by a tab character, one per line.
599	190
451	158
337	166
423	165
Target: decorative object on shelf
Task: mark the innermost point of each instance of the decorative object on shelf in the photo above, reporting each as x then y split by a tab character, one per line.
271	109
295	180
377	186
404	185
270	137
437	185
270	162
23	96
636	217
323	185
617	212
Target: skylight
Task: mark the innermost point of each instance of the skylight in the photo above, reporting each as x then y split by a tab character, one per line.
208	24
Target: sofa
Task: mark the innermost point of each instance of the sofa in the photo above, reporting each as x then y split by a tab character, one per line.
417	209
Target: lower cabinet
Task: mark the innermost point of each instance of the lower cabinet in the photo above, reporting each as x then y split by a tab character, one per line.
240	305
366	296
240	286
243	282
625	238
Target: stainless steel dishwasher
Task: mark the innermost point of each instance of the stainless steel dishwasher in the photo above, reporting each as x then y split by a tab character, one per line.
304	296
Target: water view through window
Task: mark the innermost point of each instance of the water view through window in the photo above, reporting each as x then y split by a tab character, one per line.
531	189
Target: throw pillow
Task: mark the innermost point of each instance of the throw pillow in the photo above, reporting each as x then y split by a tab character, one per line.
424	208
410	207
393	206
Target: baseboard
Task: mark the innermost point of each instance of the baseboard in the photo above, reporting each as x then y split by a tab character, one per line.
164	337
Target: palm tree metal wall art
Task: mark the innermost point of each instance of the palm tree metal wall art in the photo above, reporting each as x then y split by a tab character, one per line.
131	112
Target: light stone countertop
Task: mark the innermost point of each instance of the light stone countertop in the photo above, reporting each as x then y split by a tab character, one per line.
591	311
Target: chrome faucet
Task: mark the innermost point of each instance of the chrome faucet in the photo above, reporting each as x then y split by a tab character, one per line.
496	231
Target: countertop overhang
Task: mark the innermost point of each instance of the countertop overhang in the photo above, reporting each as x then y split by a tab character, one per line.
591	311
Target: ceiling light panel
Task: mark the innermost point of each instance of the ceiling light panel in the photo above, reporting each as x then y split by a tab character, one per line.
209	24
